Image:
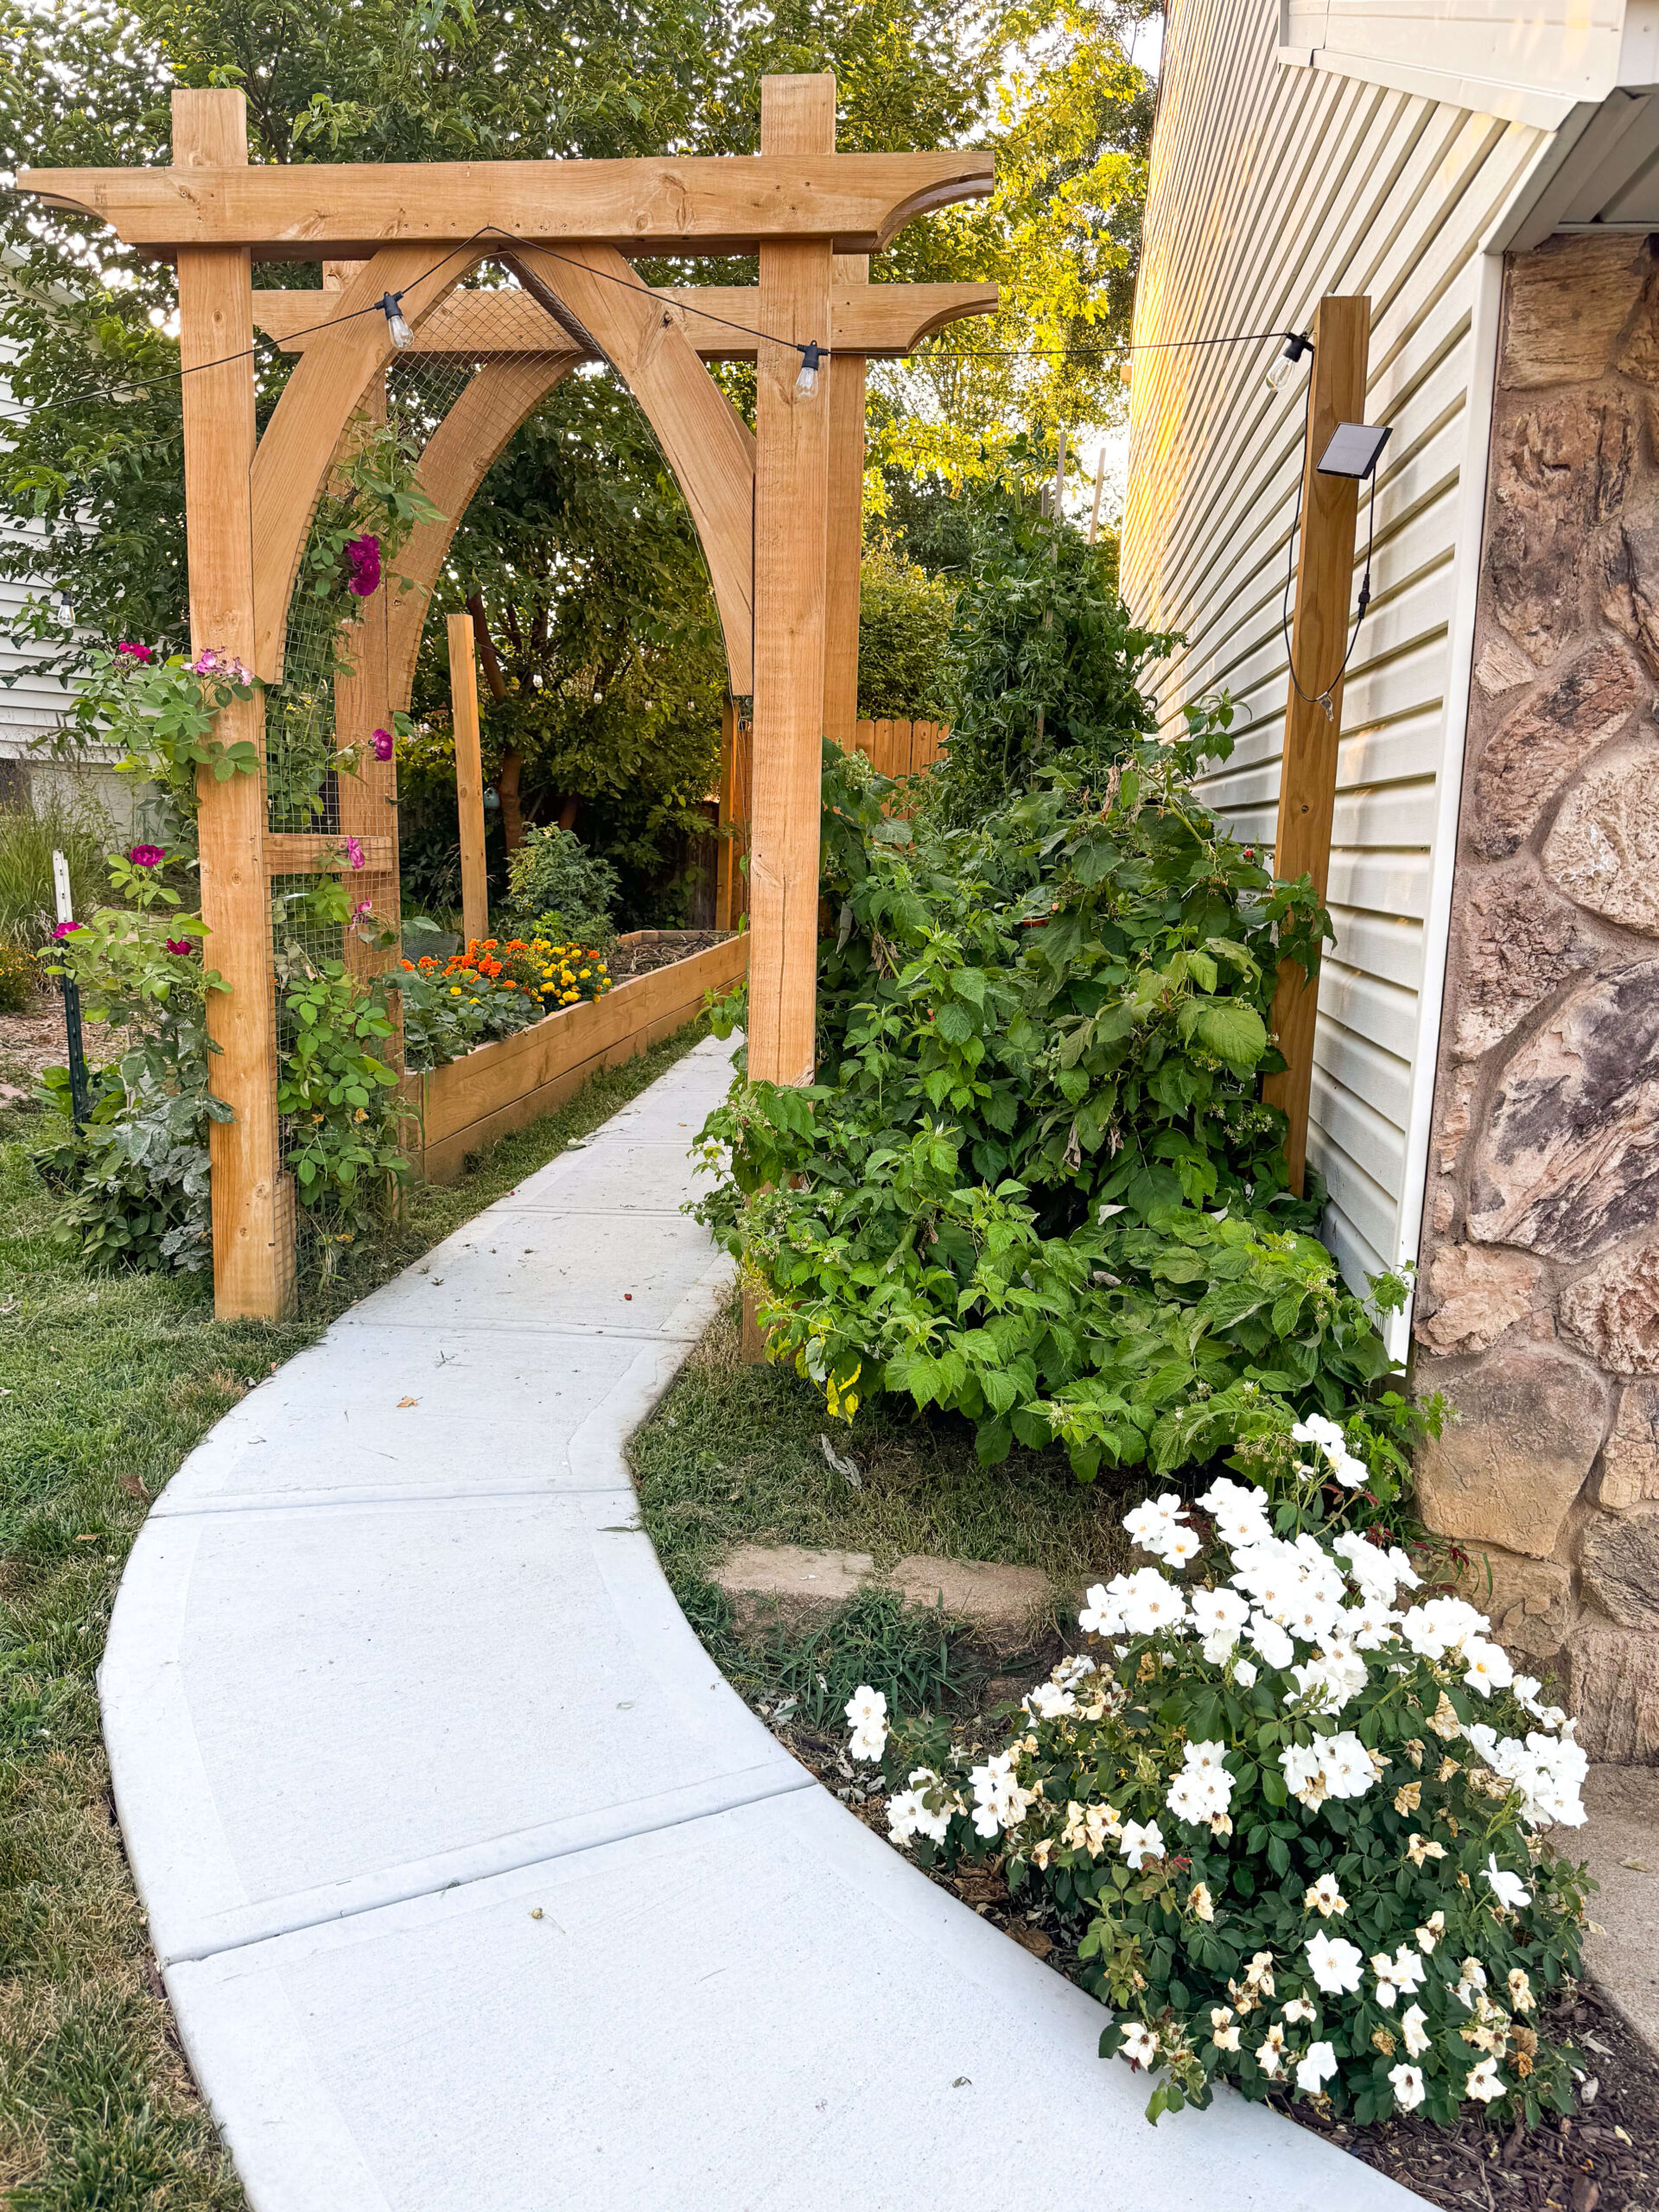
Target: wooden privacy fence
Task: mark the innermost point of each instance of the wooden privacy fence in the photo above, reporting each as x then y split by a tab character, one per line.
897	747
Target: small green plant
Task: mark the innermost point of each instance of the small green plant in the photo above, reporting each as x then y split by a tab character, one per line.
135	1179
337	1094
20	978
558	890
1292	1818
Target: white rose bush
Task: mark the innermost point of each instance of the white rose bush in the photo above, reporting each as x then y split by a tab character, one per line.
1291	1811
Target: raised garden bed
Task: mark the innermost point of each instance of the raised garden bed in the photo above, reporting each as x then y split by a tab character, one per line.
506	1084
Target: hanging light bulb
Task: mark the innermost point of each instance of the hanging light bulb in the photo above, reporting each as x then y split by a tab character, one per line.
400	332
807	382
1283	363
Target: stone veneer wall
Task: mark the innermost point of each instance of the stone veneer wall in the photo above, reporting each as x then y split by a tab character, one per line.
1538	1308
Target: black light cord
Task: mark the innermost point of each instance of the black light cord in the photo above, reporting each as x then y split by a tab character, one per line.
1322	698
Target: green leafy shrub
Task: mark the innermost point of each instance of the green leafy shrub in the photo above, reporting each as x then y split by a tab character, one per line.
1036	1185
558	890
134	1180
338	1096
1291	1816
20	978
903	622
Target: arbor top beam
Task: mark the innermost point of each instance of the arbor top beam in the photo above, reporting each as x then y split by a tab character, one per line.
881	320
718	204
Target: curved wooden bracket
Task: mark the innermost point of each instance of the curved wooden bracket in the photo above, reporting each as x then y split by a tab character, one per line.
709	446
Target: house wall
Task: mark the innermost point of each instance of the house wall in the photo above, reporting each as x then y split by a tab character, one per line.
1271	186
1539	1311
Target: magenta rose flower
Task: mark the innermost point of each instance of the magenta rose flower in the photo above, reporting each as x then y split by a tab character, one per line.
382	745
355	852
67	929
363	560
146	855
128	650
180	945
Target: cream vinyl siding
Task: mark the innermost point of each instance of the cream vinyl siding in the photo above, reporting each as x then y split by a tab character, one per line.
1270	187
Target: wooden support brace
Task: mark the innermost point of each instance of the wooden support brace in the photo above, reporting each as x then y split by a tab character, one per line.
469	777
844	526
253	1200
797	116
1318	639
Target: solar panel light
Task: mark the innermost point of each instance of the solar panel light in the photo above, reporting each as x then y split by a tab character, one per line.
1354	450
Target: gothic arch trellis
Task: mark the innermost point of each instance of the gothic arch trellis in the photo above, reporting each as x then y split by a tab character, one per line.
777	510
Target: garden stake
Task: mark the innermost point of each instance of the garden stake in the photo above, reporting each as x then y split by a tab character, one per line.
78	1102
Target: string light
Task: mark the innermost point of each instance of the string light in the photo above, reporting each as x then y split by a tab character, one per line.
399	332
807	382
1283	363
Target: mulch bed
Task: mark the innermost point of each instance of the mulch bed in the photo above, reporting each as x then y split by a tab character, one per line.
31	1042
660	948
1600	2160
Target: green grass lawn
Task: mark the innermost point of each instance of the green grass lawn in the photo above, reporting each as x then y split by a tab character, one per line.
734	1455
108	1382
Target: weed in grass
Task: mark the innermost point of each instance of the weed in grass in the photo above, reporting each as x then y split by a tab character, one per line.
111	1379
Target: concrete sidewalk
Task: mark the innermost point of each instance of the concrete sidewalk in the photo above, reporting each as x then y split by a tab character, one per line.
475	1887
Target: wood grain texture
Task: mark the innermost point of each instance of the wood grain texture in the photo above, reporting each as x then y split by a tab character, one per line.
303	852
705	441
885	320
731	878
844	527
798	117
469	777
510	1084
459	455
253	1244
328	386
699	204
1319	640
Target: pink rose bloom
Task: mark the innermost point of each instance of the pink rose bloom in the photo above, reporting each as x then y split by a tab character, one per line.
382	745
355	852
130	650
211	663
363	559
67	929
363	906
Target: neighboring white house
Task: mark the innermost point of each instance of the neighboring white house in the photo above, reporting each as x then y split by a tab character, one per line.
1396	151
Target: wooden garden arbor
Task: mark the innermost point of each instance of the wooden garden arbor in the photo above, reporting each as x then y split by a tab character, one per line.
777	510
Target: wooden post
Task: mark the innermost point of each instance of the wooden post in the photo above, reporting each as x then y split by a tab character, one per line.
731	893
253	1200
1318	639
797	116
845	525
1100	479
469	777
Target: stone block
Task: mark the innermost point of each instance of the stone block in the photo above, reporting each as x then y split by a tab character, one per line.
1603	849
1518	945
1529	1602
1569	1161
1613	1311
1003	1601
1502	666
1612	1676
1565	306
1507	1472
1618	1558
1544	741
793	1573
1559	469
1475	1295
1638	353
1630	1458
1629	580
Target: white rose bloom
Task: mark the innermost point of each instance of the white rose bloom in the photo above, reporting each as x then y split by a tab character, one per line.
1140	2045
1139	1844
1367	1625
1271	1643
1103	1609
1315	2067
1414	2026
1509	1889
866	1709
1152	1524
1348	1767
1299	2009
1218	1615
1405	1574
868	1744
1486	2083
1304	1770
1324	1897
1486	1666
1370	1566
1407	2085
1334	1963
1244	1673
1320	1430
1049	1702
904	1813
1151	1603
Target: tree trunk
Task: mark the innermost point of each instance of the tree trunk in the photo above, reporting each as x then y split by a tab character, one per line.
568	809
487	660
506	784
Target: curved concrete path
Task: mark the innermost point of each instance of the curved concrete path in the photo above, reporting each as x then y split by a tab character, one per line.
475	1887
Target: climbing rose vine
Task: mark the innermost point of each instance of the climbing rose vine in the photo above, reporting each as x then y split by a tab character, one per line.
1289	1809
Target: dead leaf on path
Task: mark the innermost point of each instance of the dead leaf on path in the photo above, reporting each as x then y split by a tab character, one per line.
402	1402
976	1885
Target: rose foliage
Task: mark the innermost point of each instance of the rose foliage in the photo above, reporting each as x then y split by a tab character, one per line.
1290	1814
